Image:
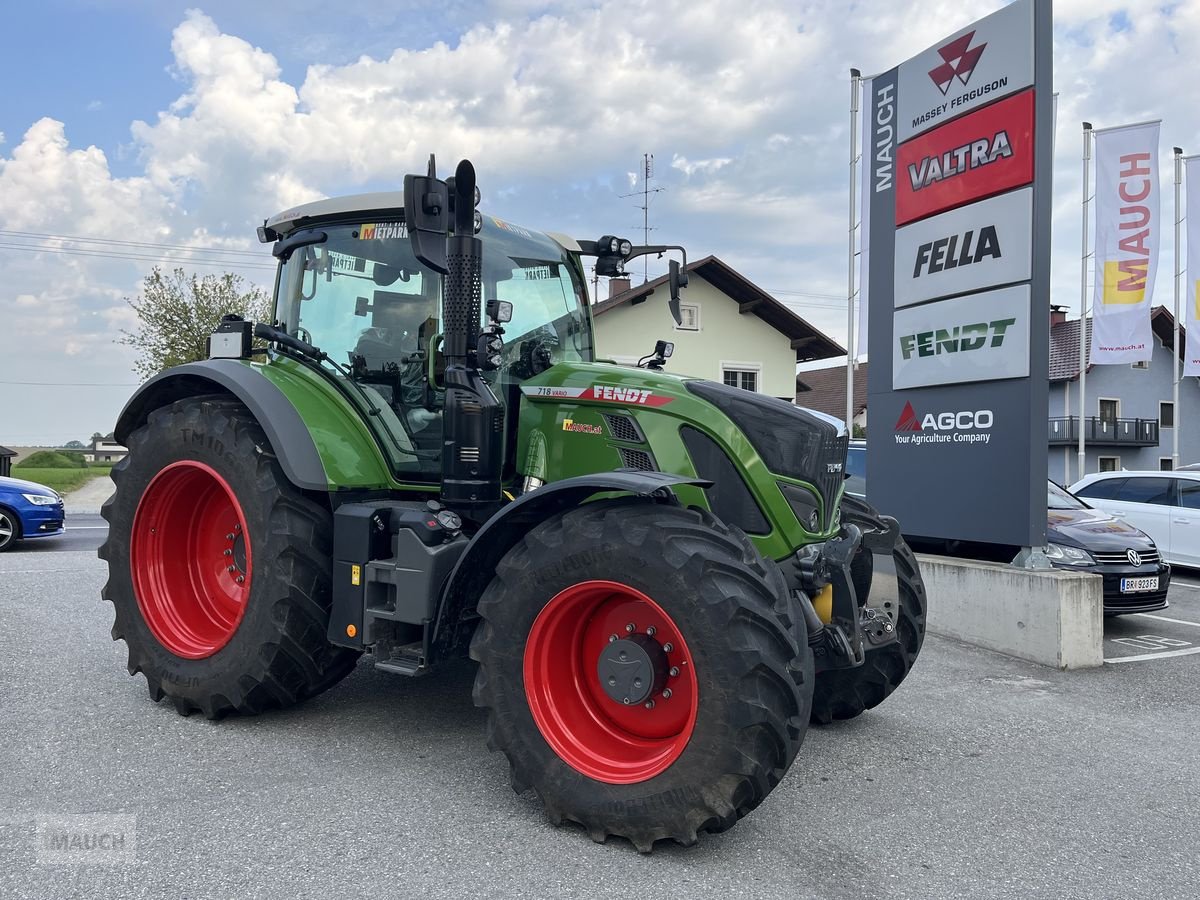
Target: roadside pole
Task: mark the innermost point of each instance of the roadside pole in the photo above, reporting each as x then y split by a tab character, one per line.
1083	271
1175	360
851	349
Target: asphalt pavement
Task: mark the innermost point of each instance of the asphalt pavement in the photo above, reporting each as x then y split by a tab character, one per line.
981	776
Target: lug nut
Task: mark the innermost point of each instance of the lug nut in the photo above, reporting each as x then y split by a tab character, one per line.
649	704
667	648
229	537
887	627
651	631
233	568
666	694
674	673
241	579
625	700
629	628
237	527
612	638
229	553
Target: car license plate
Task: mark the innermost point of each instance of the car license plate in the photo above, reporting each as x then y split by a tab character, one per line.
1132	585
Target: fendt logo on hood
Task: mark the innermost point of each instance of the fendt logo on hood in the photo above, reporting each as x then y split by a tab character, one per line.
957	62
959	427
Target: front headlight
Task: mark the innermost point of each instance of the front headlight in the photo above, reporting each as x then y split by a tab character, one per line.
40	499
1069	556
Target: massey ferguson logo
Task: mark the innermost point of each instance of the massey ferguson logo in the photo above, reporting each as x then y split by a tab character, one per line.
961	427
959	60
974	155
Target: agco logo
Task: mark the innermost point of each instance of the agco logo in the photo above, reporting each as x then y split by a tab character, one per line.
959	60
959	427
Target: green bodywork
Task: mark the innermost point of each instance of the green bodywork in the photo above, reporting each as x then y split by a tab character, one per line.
548	448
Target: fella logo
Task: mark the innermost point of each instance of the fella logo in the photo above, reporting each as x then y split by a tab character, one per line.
959	60
978	155
957	250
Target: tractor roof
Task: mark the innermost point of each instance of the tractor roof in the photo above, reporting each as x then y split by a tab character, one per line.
391	202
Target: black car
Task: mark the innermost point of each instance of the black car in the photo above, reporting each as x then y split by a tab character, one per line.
1079	539
1084	539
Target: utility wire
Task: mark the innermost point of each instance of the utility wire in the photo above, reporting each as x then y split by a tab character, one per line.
209	263
157	246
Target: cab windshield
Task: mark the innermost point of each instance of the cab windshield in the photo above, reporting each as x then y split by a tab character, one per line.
362	297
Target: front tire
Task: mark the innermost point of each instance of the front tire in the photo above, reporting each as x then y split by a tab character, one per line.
848	693
706	741
219	569
10	530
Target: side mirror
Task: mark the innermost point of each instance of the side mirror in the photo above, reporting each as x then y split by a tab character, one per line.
678	280
427	217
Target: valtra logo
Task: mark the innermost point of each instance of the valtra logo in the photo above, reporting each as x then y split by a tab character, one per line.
959	60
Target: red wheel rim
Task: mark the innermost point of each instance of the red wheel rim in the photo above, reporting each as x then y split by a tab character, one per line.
590	730
190	559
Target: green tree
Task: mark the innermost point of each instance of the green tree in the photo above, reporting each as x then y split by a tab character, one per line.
177	312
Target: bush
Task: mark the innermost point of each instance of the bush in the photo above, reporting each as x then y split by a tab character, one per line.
52	459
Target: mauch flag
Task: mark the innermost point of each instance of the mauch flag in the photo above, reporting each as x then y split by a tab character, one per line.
1191	361
1127	240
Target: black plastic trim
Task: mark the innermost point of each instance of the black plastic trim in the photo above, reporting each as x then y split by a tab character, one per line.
285	429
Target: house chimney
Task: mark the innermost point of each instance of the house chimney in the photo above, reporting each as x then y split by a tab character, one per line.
1058	315
617	286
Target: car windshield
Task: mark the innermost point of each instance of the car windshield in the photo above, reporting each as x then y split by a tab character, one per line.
1057	498
361	296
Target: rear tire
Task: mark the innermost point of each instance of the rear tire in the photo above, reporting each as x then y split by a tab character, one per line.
652	772
847	693
244	631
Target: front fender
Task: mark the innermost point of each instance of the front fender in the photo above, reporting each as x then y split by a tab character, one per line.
474	570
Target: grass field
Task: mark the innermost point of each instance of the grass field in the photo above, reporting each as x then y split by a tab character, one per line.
61	480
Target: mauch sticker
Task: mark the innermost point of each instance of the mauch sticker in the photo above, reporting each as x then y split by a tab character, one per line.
508	226
581	427
382	231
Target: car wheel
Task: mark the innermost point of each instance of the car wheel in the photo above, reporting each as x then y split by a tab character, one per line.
10	530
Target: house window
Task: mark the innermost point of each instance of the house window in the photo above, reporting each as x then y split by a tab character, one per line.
1165	464
689	317
746	379
1166	414
1110	463
1140	364
1110	411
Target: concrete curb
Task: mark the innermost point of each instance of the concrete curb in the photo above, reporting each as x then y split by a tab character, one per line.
1046	616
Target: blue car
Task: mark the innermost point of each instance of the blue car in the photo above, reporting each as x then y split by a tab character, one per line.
28	510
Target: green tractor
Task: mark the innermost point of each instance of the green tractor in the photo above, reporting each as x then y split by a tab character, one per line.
422	459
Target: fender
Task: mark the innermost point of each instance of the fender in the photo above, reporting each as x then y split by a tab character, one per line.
454	621
285	429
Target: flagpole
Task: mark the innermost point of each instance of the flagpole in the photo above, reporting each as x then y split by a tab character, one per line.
1175	361
851	349
1083	269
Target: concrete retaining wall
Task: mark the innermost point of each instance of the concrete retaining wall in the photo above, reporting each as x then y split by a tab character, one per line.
1047	616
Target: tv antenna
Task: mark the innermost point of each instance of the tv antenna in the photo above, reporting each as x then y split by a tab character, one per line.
645	193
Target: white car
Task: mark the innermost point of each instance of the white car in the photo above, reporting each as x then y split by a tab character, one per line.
1165	505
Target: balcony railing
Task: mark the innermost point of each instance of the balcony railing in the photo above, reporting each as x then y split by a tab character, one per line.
1098	431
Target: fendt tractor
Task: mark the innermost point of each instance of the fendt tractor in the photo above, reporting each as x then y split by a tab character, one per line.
422	459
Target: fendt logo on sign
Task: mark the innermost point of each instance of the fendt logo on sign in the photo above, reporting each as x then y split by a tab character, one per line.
959	339
958	427
976	156
959	59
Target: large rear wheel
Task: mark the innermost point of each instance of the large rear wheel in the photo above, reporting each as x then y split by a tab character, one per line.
641	671
219	569
847	693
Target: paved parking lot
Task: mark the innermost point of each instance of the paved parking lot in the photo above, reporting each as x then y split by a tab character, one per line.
983	775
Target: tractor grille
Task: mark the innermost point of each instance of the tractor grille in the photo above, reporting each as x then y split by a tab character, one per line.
623	428
637	459
729	497
1119	558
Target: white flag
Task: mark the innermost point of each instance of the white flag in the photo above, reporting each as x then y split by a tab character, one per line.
1191	362
1127	241
864	215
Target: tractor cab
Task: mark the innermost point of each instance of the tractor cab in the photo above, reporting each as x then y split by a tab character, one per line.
350	283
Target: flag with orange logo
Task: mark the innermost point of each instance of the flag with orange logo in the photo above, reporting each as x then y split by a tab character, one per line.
1191	294
1127	242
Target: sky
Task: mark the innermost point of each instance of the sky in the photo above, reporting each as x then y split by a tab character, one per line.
164	125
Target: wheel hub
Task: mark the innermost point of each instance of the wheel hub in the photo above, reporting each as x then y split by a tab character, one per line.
633	669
